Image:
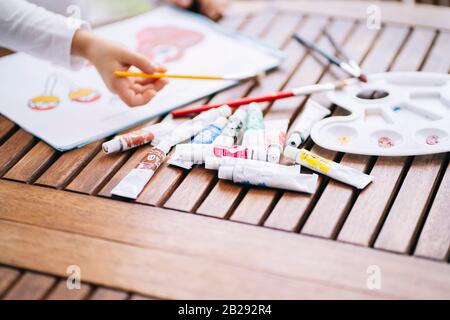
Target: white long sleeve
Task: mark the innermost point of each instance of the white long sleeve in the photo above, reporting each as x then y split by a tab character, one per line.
34	30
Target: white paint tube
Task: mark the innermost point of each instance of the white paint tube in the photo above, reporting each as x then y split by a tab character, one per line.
275	176
327	167
254	127
197	153
190	128
275	137
312	113
231	132
214	163
138	137
135	181
206	136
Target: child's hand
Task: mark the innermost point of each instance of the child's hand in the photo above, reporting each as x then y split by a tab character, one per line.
108	57
213	9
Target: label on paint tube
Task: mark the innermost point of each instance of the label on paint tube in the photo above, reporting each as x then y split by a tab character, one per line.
190	128
275	176
138	137
275	137
233	152
211	132
330	168
135	181
254	130
312	113
206	136
197	153
213	163
232	130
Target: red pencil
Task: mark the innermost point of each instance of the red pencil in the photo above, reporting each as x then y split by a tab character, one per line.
305	90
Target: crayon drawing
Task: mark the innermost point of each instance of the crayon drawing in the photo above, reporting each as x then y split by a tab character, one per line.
165	44
76	107
48	99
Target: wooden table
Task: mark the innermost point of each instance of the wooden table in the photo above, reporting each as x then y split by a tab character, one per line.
190	235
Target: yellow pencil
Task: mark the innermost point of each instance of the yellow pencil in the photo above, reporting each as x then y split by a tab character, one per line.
158	75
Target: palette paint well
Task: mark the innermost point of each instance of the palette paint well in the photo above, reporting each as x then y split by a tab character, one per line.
394	114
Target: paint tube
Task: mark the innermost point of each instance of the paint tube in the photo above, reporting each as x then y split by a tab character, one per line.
190	128
312	113
197	153
214	163
206	136
275	176
275	136
329	168
254	127
135	181
138	137
230	133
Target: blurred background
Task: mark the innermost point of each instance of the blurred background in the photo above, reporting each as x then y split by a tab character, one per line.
102	11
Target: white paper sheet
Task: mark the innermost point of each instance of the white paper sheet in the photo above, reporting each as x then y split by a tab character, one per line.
208	49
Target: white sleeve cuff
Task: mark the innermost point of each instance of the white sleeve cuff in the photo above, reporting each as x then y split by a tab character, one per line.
62	43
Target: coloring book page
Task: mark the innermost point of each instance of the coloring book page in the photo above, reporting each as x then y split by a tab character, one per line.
68	109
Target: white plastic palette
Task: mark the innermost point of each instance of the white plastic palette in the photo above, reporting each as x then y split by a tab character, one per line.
407	113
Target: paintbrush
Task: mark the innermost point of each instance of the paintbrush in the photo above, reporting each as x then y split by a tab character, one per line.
299	91
342	52
158	75
346	66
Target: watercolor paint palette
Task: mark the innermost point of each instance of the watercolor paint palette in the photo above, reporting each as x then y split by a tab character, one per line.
394	114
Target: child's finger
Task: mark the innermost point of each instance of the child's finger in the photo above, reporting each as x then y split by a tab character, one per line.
182	3
157	83
139	61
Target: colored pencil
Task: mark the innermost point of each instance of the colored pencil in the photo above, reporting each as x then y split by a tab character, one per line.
305	90
158	75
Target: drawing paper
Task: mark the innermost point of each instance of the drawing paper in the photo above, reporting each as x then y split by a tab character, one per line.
69	109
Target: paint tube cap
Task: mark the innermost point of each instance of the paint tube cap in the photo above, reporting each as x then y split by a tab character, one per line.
220	122
162	128
295	140
112	146
226	172
291	152
241	114
273	154
224	110
164	146
254	106
212	163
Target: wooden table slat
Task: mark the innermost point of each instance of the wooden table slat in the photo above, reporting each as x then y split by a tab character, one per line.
409	208
183	260
7	278
108	294
14	148
370	207
6	127
61	292
434	241
68	165
33	163
30	286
